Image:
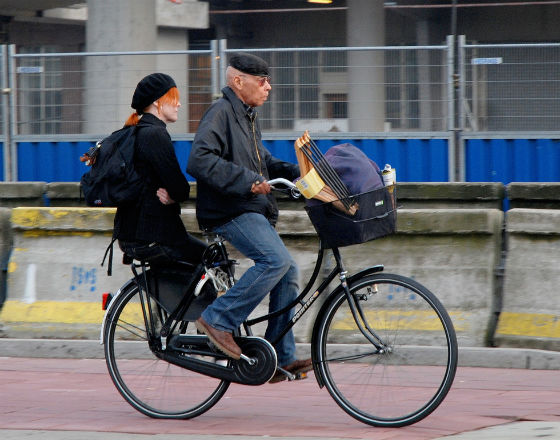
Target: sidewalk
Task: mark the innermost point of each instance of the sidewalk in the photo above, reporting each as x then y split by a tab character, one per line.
54	398
512	431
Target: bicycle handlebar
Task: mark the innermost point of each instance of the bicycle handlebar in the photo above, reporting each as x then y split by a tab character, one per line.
295	193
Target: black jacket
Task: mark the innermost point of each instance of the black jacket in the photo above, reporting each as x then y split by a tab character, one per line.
149	220
227	157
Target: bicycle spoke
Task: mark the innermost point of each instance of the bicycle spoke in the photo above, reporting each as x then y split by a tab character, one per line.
351	357
127	326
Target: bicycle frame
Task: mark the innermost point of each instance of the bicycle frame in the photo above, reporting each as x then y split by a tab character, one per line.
305	305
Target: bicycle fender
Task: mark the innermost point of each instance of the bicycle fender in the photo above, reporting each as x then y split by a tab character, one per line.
314	339
110	308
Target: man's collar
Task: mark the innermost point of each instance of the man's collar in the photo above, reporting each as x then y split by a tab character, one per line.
239	106
250	112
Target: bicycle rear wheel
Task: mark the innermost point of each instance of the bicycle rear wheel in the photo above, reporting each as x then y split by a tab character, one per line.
151	385
407	378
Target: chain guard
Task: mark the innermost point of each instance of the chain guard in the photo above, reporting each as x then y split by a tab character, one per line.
264	355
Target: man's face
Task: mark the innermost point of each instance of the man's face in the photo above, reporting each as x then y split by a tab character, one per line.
253	89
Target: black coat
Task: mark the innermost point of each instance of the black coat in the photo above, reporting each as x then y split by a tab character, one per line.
149	220
227	157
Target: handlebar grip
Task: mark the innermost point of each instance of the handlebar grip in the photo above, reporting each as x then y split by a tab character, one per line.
282	181
295	193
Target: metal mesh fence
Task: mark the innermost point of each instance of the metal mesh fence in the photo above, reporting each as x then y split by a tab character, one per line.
372	89
91	93
514	87
358	90
322	90
3	87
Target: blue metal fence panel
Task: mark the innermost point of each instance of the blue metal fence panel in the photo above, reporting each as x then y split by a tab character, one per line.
416	160
51	161
512	160
182	150
282	149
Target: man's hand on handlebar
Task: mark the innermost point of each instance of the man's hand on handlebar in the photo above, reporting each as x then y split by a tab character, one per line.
261	187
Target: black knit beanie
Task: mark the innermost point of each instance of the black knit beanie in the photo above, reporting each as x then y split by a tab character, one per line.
149	89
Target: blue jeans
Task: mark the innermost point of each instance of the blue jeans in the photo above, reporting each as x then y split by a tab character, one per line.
274	271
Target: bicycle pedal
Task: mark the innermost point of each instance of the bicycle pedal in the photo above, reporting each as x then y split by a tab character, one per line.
297	376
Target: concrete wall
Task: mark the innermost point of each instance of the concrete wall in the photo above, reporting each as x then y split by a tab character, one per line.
6	242
540	195
55	281
530	314
411	195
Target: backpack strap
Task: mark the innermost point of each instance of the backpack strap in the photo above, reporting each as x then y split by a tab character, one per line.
109	251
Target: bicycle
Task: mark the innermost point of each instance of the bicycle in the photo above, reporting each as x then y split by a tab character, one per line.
382	344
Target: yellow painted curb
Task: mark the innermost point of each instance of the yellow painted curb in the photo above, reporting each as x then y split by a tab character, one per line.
407	320
83	219
529	324
52	312
73	312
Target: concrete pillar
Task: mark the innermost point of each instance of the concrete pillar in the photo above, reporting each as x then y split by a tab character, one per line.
177	67
123	25
365	24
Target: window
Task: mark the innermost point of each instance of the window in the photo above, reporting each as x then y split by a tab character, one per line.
336	105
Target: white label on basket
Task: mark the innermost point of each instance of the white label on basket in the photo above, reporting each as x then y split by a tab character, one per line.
379	203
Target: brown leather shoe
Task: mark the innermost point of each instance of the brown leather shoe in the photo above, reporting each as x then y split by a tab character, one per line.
221	339
299	368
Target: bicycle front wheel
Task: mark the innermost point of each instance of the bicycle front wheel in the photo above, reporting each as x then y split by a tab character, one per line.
407	375
152	385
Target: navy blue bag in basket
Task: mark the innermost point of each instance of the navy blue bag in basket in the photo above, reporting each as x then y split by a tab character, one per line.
376	214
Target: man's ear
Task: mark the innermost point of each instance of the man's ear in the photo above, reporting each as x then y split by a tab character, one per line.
237	82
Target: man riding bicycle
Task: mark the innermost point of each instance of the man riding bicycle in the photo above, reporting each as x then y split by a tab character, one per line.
232	167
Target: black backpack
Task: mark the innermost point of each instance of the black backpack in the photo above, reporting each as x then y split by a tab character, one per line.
112	180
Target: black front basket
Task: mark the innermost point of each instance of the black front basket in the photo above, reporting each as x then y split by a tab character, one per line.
375	217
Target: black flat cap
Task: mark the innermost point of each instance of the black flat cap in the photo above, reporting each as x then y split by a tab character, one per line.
251	64
149	89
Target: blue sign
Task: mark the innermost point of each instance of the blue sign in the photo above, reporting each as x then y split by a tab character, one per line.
30	69
497	60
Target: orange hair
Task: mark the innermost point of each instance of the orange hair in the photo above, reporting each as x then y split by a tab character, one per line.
171	97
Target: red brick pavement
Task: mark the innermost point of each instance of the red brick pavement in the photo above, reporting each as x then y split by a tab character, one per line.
78	395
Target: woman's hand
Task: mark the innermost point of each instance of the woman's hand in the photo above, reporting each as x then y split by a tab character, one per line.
163	197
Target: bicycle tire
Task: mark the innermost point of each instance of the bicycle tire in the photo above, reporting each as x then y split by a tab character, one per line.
151	385
411	378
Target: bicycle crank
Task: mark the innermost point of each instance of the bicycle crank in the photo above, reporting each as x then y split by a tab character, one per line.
257	365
